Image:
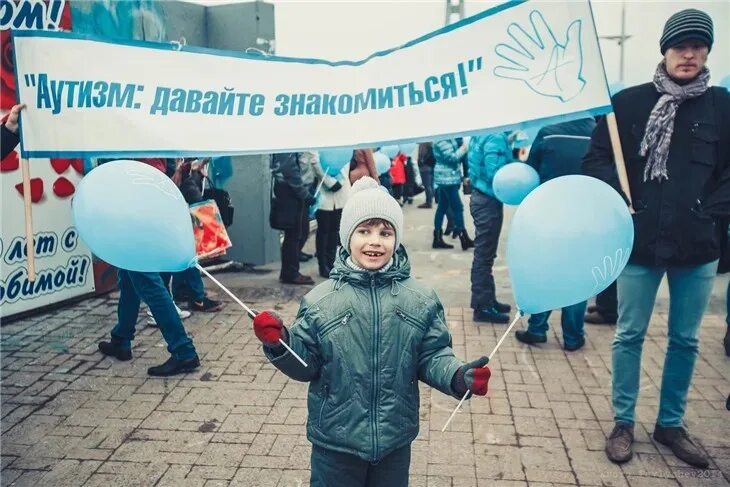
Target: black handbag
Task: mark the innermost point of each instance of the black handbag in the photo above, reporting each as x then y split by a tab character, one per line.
223	199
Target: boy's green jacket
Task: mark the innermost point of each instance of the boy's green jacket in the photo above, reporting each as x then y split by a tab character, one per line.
367	339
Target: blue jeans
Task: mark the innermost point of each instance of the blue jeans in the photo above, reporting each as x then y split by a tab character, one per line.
449	201
135	287
571	320
689	293
188	280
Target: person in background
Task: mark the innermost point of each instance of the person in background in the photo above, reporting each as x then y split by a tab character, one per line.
426	163
447	175
334	192
291	200
398	178
487	154
675	137
558	150
9	130
363	164
307	161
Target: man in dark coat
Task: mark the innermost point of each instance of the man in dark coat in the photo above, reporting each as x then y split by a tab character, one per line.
289	202
675	134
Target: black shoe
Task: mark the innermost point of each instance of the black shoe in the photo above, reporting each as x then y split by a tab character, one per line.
174	366
618	444
466	242
206	305
305	257
299	280
677	439
502	307
114	350
726	342
575	347
438	241
490	315
525	336
182	297
598	318
425	205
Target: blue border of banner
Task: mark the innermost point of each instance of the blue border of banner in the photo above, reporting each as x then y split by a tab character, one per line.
273	58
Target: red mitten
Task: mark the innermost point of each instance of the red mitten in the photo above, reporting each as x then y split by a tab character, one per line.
268	328
474	377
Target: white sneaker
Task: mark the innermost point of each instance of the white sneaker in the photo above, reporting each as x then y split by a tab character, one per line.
182	313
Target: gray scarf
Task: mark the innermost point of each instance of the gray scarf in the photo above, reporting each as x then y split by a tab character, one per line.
660	126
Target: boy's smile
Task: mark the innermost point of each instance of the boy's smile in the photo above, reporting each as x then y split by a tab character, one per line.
372	245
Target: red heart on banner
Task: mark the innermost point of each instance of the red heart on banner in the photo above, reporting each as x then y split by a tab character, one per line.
78	165
10	163
60	165
63	188
36	189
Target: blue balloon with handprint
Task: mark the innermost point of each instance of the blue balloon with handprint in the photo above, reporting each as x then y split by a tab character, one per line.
333	160
556	254
132	216
537	58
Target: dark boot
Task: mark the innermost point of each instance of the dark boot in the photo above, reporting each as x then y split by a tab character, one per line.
681	445
113	349
425	205
726	341
299	279
598	318
490	315
174	366
438	241
502	307
575	346
466	242
525	336
618	445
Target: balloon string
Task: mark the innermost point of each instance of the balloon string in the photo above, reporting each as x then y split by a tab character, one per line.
319	186
499	343
251	313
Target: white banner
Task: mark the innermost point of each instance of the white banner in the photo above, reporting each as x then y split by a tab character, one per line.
515	64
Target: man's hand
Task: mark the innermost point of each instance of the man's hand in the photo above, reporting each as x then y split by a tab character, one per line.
12	121
473	377
268	328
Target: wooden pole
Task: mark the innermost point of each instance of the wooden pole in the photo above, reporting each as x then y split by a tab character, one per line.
618	156
30	244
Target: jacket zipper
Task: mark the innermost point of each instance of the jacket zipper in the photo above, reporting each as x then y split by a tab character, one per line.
375	386
408	319
324	401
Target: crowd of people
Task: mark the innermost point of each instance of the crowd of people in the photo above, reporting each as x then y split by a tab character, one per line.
369	332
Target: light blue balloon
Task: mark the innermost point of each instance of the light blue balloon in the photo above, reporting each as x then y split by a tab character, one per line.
333	160
134	217
514	181
557	254
382	162
407	149
390	150
725	82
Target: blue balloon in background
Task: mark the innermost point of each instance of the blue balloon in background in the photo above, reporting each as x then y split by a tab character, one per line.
382	162
556	253
514	181
333	160
134	217
390	150
407	149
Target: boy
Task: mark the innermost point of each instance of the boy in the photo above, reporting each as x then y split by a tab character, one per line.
368	334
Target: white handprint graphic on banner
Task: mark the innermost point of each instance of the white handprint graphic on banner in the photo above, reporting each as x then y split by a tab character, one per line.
544	64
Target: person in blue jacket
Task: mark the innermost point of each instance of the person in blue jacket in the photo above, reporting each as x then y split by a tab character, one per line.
449	155
558	150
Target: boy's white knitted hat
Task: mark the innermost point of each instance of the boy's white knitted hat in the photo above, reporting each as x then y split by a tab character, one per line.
369	200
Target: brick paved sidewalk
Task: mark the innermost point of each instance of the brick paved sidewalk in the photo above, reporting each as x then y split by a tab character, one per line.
71	417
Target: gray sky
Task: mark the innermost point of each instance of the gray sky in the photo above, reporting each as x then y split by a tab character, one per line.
353	29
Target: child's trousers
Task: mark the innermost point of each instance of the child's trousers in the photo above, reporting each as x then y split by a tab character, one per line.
335	469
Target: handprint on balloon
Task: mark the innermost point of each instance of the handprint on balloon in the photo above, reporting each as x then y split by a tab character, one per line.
544	64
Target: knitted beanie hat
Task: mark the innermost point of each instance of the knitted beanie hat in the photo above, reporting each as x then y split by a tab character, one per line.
369	200
685	25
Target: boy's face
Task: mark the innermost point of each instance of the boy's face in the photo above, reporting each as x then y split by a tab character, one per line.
372	245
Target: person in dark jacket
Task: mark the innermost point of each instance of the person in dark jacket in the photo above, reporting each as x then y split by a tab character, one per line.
426	162
291	199
558	150
675	135
368	335
9	131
